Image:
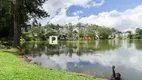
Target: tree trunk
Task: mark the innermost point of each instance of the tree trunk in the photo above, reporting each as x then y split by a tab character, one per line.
19	30
16	38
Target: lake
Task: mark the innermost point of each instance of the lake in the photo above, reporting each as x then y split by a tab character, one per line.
90	57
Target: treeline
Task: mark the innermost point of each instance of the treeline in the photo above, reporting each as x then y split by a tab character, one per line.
68	32
136	35
77	32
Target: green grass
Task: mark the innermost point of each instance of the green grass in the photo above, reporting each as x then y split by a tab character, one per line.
14	68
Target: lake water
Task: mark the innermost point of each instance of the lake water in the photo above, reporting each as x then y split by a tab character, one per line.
90	57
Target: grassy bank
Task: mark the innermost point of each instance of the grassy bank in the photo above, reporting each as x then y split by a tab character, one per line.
14	68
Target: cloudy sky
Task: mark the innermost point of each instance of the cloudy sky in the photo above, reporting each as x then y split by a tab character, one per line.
119	14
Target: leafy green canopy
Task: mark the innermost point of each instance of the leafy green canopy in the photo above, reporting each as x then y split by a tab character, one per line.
15	13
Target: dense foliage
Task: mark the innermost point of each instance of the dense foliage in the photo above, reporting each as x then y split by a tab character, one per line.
78	32
69	31
15	13
139	33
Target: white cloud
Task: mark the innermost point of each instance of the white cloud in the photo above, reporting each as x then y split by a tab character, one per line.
95	4
52	6
62	19
77	12
98	4
129	19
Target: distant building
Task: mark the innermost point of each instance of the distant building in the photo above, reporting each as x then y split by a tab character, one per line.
63	33
125	35
75	34
117	34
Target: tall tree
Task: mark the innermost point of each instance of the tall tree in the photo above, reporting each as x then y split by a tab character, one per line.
22	10
5	20
139	33
129	34
104	32
70	30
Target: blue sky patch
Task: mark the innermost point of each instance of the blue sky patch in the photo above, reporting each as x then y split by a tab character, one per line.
109	5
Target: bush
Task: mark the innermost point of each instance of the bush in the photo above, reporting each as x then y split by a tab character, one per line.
120	37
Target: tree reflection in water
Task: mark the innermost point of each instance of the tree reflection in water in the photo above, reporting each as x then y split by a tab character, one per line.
90	57
79	48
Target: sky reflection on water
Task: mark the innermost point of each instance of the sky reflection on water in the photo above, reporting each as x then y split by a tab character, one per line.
94	58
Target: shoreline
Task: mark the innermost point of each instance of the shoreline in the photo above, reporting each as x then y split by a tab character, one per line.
35	68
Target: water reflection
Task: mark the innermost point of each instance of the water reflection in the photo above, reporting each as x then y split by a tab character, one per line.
94	57
138	44
70	48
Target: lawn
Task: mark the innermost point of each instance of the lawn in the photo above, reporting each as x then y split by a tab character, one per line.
14	68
